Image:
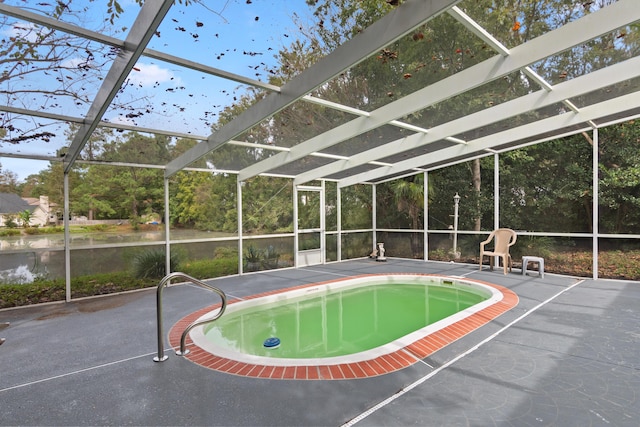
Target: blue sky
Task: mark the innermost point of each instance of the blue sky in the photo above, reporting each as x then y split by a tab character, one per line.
239	36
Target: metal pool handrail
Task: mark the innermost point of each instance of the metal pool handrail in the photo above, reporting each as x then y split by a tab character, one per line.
161	357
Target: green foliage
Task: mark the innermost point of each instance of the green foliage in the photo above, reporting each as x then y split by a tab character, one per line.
204	201
546	187
25	217
210	268
41	290
99	227
11	221
271	258
225	252
152	264
357	207
619	170
267	206
32	230
252	258
9	232
54	229
541	246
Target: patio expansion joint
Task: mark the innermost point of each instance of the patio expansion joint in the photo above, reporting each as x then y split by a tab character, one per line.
444	366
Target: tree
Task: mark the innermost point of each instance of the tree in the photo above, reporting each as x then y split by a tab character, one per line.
25	217
49	182
8	181
205	201
547	187
32	54
43	69
90	195
408	194
267	205
619	172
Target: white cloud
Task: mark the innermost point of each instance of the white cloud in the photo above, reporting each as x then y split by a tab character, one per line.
24	30
150	75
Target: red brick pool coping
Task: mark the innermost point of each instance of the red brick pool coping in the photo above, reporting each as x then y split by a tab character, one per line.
385	364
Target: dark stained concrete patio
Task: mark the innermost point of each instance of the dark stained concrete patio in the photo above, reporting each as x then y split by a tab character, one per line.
566	355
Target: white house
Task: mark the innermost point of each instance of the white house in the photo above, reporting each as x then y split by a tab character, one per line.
42	212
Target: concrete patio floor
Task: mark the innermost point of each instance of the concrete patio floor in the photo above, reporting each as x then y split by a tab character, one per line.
566	355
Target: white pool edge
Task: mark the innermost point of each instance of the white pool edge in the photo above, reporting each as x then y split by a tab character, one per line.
198	337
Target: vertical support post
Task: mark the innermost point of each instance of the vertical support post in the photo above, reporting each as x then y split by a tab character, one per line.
496	198
167	244
323	212
374	215
67	239
596	203
339	221
239	219
425	215
496	191
295	226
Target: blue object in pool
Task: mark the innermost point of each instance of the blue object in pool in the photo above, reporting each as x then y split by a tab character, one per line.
272	342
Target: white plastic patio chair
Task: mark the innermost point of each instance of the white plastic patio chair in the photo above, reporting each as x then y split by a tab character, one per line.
503	238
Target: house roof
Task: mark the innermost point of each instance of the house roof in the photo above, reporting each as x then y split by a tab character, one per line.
12	203
35	201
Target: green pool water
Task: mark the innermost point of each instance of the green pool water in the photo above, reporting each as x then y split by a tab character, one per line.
338	323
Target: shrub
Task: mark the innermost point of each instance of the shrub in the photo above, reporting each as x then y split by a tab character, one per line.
98	227
10	221
271	257
542	246
226	252
151	264
32	230
41	291
210	268
252	258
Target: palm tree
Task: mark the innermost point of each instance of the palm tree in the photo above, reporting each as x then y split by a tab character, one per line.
25	216
408	194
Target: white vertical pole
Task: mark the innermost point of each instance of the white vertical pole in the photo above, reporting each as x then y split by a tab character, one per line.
67	249
239	218
496	191
425	215
323	211
339	221
496	198
166	228
295	226
374	214
595	201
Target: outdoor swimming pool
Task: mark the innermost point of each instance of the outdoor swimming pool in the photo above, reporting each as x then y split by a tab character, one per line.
348	322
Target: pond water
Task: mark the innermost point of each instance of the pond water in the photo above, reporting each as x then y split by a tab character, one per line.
56	241
25	257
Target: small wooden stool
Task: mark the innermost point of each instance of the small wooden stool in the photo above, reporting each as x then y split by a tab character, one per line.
527	259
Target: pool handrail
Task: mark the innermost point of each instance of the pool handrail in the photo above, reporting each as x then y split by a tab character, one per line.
161	357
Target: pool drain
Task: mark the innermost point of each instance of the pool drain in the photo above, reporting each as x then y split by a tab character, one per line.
272	343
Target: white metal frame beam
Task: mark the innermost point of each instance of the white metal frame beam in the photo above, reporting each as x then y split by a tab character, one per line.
586	114
400	21
144	27
540	99
153	54
588	27
45	21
